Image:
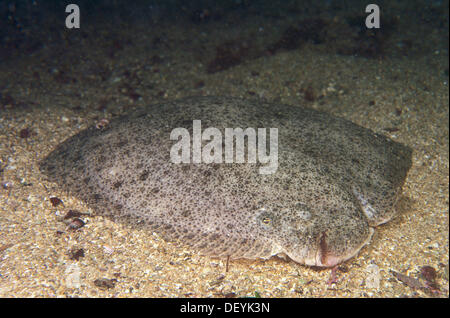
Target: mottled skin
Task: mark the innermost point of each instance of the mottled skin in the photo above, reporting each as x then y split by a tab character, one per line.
334	181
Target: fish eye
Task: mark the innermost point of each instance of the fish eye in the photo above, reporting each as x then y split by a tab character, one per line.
267	220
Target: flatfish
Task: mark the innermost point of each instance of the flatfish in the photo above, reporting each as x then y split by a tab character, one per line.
333	181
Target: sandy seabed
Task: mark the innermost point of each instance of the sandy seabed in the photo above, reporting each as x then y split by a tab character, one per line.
53	93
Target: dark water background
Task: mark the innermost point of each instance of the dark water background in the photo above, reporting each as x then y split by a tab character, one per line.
29	25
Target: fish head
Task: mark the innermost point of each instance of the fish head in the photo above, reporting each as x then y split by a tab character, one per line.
317	238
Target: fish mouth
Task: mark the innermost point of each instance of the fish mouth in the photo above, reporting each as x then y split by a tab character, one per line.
324	256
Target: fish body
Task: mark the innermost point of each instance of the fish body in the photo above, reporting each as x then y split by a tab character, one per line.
334	181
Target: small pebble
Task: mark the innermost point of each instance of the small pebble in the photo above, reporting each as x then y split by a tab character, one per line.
105	283
25	133
76	223
55	201
7	185
428	272
434	245
76	253
373	276
73	276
